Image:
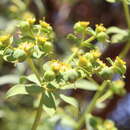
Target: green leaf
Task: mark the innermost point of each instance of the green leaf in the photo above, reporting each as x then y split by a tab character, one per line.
117	38
119	35
9	79
23	89
33	89
114	29
111	1
82	84
15	90
33	79
49	103
70	100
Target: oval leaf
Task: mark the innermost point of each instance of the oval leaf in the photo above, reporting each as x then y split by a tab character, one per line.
33	79
15	90
82	84
23	89
70	100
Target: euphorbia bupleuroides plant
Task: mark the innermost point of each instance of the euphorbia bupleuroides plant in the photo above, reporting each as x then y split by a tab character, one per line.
33	42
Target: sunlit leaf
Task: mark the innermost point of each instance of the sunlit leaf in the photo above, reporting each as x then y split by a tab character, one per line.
33	79
69	100
15	90
82	84
9	79
23	89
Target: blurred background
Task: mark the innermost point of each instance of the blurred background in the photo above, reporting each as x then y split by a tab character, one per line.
18	113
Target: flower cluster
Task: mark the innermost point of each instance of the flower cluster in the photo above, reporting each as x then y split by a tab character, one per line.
82	31
31	41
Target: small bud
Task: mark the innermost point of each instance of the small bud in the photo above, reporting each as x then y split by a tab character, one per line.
31	21
71	75
49	75
48	47
45	25
56	66
118	87
4	41
100	28
119	66
106	72
41	39
109	125
26	46
82	61
24	25
80	27
102	37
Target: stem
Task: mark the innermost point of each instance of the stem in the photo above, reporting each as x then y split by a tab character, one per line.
75	52
32	66
39	110
127	15
38	115
90	39
125	50
105	97
126	11
72	56
91	106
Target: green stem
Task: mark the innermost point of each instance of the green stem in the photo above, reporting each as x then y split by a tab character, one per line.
75	52
90	39
125	50
38	115
39	110
105	97
32	66
72	56
127	15
91	106
126	11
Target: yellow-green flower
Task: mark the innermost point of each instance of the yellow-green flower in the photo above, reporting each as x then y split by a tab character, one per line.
44	24
119	66
31	20
100	28
26	46
4	38
41	39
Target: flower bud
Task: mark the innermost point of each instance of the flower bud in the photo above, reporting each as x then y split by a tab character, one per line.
80	27
119	66
82	61
4	41
45	26
106	72
49	75
56	66
31	21
27	47
102	37
47	47
100	28
109	125
71	75
118	87
24	26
